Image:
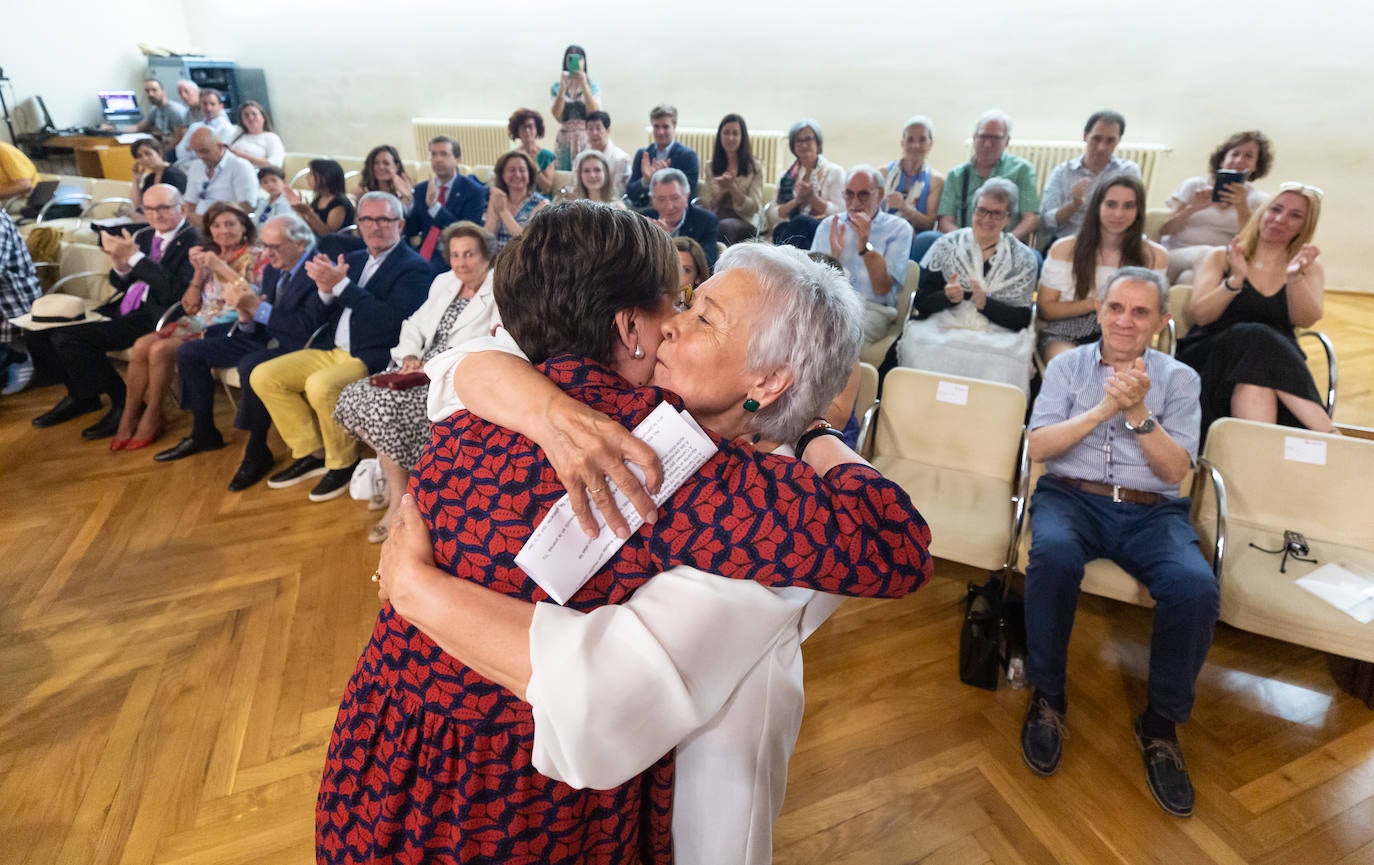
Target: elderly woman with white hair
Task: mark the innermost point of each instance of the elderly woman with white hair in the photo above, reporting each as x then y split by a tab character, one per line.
598	283
911	187
809	190
974	298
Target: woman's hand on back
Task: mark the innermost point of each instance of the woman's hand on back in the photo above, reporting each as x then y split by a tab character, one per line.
589	451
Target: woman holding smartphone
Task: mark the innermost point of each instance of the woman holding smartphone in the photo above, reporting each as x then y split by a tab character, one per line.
1209	209
574	97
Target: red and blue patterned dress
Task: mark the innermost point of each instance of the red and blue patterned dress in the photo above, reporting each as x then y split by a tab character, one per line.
430	761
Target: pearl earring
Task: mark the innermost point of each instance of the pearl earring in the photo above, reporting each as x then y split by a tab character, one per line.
639	352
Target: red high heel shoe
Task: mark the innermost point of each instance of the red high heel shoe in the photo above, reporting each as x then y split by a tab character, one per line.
138	444
119	444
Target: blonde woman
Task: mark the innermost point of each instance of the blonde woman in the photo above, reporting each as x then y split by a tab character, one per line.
592	179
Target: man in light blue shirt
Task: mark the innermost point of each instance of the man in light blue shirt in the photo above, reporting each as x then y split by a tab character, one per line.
1070	183
1117	425
217	175
873	247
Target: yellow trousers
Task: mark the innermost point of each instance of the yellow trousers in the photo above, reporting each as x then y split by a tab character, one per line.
299	390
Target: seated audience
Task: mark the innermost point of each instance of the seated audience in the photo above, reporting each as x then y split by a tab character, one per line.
1247	299
599	139
526	128
19	287
460	307
213	118
912	187
150	169
1077	267
383	171
676	216
665	151
163	119
810	190
733	186
1116	424
691	259
592	179
973	300
575	96
281	198
873	247
991	135
150	271
17	171
278	321
189	94
256	142
445	198
377	288
217	175
1203	216
512	199
231	255
330	210
1070	183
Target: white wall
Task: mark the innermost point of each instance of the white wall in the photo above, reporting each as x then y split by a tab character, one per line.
345	75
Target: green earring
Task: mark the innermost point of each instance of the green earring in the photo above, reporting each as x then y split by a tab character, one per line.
751	404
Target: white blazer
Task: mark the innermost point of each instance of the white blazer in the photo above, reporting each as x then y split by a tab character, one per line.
480	316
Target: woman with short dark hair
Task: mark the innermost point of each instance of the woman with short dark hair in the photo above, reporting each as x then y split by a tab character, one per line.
733	187
330	210
526	128
1203	219
151	169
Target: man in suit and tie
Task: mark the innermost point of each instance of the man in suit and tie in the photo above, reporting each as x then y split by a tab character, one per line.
289	310
447	197
371	291
677	217
151	271
663	153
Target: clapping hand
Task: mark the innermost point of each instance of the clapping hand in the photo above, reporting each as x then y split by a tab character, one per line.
837	236
498	202
1297	267
1128	388
432	193
954	290
977	294
861	223
196	255
325	273
894	201
402	185
1080	190
120	247
1240	265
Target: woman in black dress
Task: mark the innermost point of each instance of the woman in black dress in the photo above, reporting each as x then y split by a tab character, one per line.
330	211
151	169
1247	300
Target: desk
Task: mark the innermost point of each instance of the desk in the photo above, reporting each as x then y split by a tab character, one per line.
95	155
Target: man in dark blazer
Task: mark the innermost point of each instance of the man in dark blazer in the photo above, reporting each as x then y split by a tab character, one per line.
280	320
664	152
447	197
151	271
371	291
679	218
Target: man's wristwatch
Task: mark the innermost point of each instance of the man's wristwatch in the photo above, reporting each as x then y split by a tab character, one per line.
868	247
1144	426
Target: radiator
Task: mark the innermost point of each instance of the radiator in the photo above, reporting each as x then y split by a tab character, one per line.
768	148
1045	155
483	141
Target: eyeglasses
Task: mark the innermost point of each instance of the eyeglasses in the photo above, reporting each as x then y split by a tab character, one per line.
851	195
277	247
160	208
810	139
1294	186
684	299
377	220
984	213
988	138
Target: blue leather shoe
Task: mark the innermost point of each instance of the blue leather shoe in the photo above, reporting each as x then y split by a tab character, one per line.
1166	773
1042	736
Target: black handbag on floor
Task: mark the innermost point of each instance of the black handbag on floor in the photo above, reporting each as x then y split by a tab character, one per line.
994	629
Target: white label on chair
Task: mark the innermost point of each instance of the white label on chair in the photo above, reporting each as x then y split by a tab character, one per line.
948	391
1301	450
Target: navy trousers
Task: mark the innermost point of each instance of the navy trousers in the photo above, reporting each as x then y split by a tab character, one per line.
1153	543
218	348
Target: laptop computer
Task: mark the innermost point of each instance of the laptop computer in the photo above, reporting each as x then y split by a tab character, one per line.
45	191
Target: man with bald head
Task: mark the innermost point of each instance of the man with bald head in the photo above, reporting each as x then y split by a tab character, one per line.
217	175
151	271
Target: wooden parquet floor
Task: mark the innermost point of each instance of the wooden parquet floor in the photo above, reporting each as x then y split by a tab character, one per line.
172	656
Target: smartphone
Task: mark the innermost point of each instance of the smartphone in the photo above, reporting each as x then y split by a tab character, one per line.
1224	179
574	63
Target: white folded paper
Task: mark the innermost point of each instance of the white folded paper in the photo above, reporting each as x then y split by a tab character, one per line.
560	558
1344	587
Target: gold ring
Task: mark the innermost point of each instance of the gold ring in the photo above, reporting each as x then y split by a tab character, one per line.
597	491
376	576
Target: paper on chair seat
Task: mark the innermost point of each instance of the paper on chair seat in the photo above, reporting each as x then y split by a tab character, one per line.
1344	588
560	558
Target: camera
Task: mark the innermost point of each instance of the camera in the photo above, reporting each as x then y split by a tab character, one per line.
1295	544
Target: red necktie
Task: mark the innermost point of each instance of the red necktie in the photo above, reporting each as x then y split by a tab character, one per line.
432	236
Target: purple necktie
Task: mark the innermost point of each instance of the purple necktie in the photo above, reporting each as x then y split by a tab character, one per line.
133	298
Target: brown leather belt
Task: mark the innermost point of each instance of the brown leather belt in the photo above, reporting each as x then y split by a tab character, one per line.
1115	493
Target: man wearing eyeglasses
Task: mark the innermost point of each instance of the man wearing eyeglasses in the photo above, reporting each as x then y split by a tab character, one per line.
991	135
371	291
874	247
671	210
150	273
217	175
